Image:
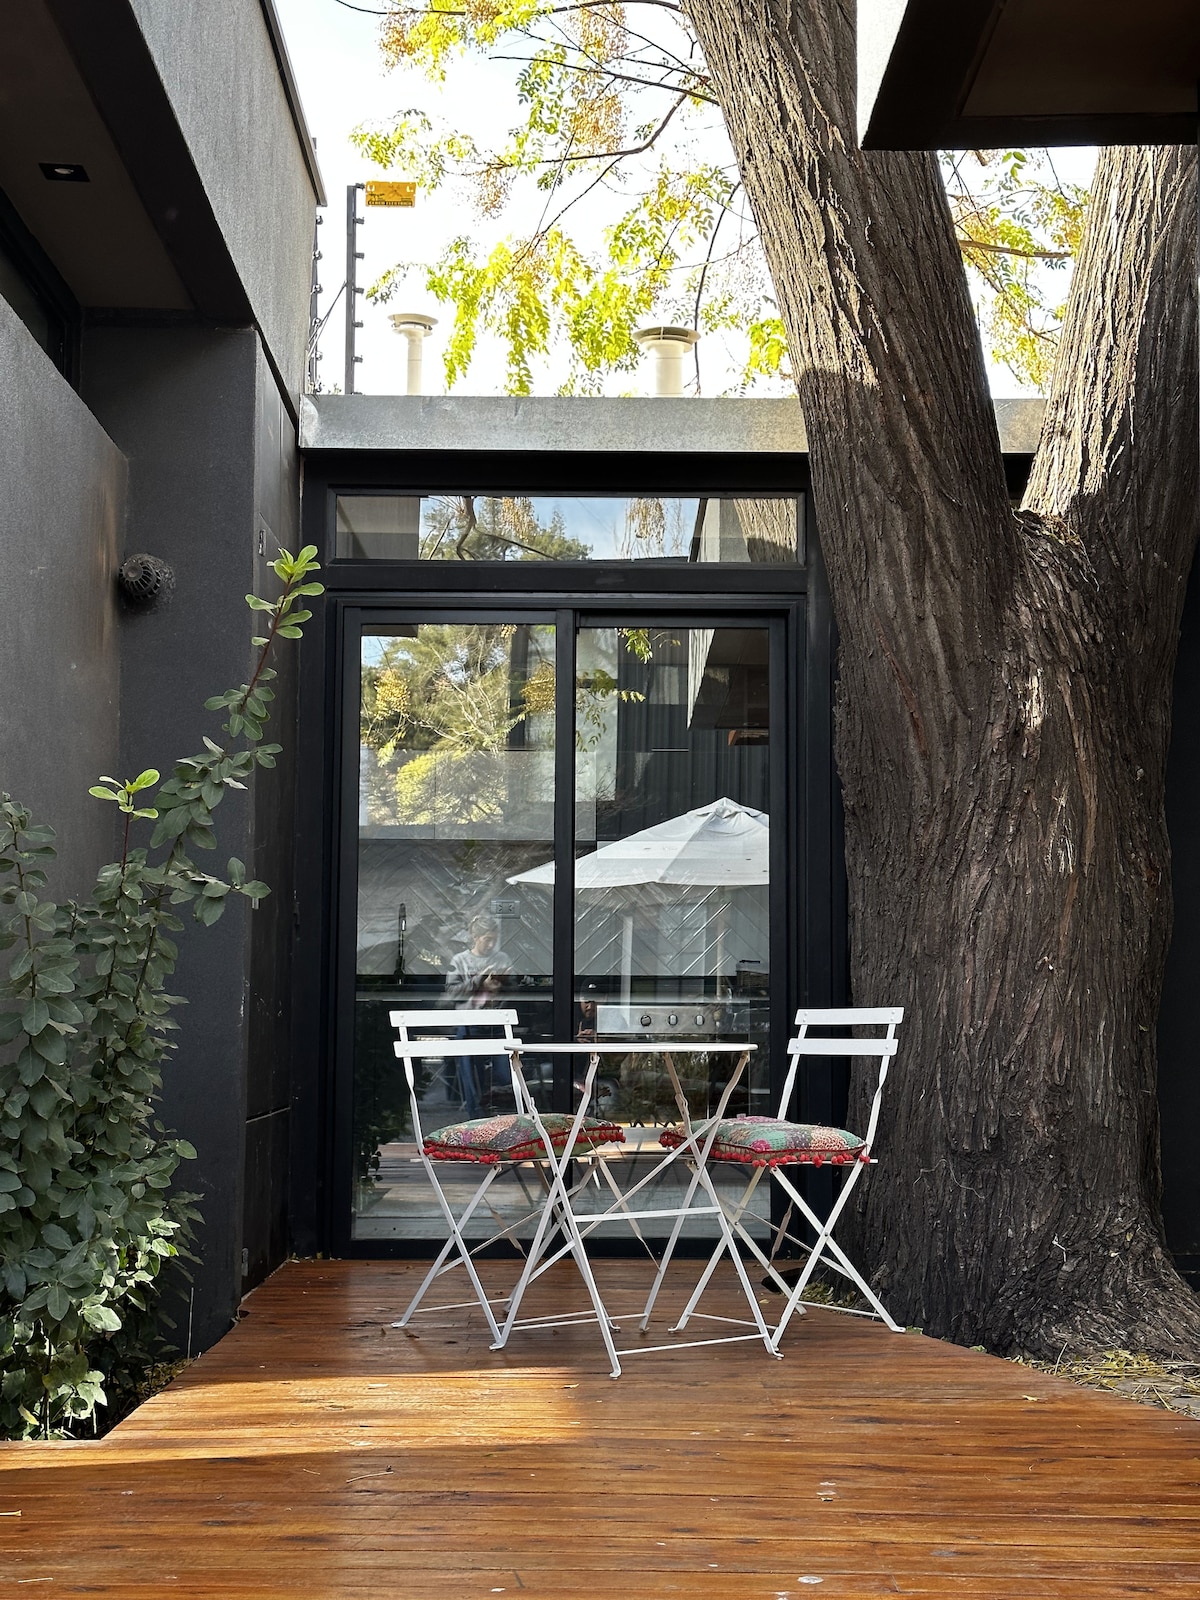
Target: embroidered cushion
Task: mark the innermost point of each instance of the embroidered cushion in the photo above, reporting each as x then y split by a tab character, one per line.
515	1138
771	1142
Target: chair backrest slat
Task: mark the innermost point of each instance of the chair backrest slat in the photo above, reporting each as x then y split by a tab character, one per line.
806	1044
810	1046
849	1016
440	1046
446	1018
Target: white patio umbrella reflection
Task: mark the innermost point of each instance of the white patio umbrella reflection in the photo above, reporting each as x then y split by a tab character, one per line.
720	845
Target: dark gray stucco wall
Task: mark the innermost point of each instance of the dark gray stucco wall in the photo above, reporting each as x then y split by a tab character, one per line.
218	67
60	516
269	1054
182	404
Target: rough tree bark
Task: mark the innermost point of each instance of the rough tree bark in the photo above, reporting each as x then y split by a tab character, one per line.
1004	698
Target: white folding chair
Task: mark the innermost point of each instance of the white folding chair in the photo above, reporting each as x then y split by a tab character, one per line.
773	1144
435	1034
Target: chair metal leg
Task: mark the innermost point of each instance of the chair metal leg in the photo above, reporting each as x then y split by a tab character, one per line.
426	1281
456	1240
827	1245
676	1230
727	1244
558	1212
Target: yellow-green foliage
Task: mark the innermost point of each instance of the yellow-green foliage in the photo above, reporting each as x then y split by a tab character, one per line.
1018	227
616	107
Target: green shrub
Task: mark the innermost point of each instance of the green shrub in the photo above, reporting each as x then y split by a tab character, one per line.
87	1214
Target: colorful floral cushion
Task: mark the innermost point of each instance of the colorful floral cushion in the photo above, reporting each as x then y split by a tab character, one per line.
515	1138
770	1142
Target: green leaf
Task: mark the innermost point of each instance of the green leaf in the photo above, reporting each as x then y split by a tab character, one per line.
170	825
21	965
58	1301
35	1016
101	793
51	1046
103	1318
45	1097
56	1237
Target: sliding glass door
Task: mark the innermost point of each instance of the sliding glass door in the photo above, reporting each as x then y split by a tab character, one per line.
568	813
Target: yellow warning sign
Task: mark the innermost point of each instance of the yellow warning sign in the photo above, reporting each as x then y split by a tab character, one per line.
391	194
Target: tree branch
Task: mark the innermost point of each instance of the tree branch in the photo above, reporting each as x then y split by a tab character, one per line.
549	11
966	243
712	240
595	155
617	77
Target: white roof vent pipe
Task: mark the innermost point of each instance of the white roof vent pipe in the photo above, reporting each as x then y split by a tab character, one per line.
413	326
669	346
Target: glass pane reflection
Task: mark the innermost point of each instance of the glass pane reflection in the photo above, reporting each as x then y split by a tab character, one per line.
456	768
672	937
486	527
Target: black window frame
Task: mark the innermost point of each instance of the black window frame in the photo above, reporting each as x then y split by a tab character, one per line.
796	594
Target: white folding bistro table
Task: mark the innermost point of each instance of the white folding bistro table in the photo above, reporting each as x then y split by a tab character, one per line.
559	1206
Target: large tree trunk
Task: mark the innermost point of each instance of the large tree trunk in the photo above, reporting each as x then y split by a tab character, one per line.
1004	699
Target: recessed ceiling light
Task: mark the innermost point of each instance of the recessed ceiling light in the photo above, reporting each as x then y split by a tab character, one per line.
64	172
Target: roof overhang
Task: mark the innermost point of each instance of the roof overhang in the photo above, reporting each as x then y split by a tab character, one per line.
79	83
661	427
978	74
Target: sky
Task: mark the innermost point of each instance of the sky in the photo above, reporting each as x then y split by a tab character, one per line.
343	83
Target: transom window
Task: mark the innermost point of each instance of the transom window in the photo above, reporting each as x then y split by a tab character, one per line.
681	530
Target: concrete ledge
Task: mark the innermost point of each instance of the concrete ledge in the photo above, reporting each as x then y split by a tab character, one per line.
555	423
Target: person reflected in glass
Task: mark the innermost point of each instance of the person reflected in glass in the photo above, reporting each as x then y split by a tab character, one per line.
474	980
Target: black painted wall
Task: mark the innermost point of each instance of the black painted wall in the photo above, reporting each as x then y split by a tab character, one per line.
211	478
61	514
269	1016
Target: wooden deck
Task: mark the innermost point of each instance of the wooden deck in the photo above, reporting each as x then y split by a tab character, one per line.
315	1452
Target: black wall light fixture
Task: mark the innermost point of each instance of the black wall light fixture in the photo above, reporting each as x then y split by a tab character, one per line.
64	172
145	581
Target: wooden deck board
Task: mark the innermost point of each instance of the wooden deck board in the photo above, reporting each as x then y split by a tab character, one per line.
316	1452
